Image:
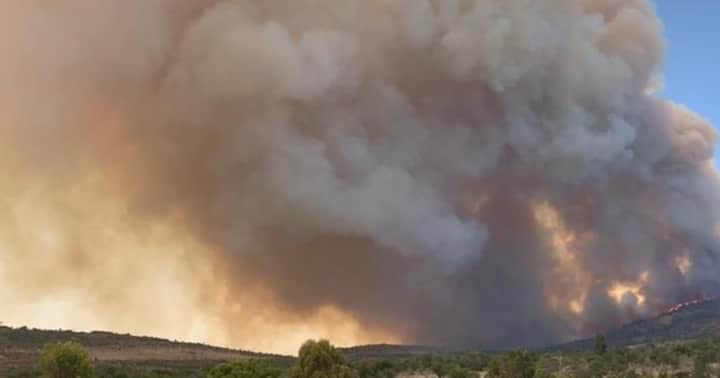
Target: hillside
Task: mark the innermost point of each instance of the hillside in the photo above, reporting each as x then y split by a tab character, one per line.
692	321
687	322
20	347
391	351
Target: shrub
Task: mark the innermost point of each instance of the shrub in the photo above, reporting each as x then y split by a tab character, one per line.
244	369
65	360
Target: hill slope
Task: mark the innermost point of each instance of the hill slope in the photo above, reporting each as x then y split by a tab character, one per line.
20	347
687	322
391	351
692	321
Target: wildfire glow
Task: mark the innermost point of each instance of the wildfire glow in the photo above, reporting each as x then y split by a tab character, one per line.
563	242
561	238
619	290
163	282
683	264
576	306
158	281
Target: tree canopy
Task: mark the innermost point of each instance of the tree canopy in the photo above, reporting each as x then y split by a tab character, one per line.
319	359
65	360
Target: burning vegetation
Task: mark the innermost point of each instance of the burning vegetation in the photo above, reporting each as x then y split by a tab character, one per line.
680	306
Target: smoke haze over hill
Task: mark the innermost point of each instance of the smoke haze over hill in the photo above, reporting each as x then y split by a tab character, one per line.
459	172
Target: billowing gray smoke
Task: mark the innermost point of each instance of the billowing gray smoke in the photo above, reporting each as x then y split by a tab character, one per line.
459	172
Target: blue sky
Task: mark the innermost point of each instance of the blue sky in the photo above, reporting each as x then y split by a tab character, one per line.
692	67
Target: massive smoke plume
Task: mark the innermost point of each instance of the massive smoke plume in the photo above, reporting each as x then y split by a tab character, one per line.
475	173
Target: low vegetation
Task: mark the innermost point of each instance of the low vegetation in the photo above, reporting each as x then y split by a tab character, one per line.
319	359
245	369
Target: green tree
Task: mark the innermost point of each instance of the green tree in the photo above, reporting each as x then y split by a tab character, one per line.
253	368
65	360
520	364
516	364
700	368
598	367
319	359
456	371
494	368
600	344
546	366
378	369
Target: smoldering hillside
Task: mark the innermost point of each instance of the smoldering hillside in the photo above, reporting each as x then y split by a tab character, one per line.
456	172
